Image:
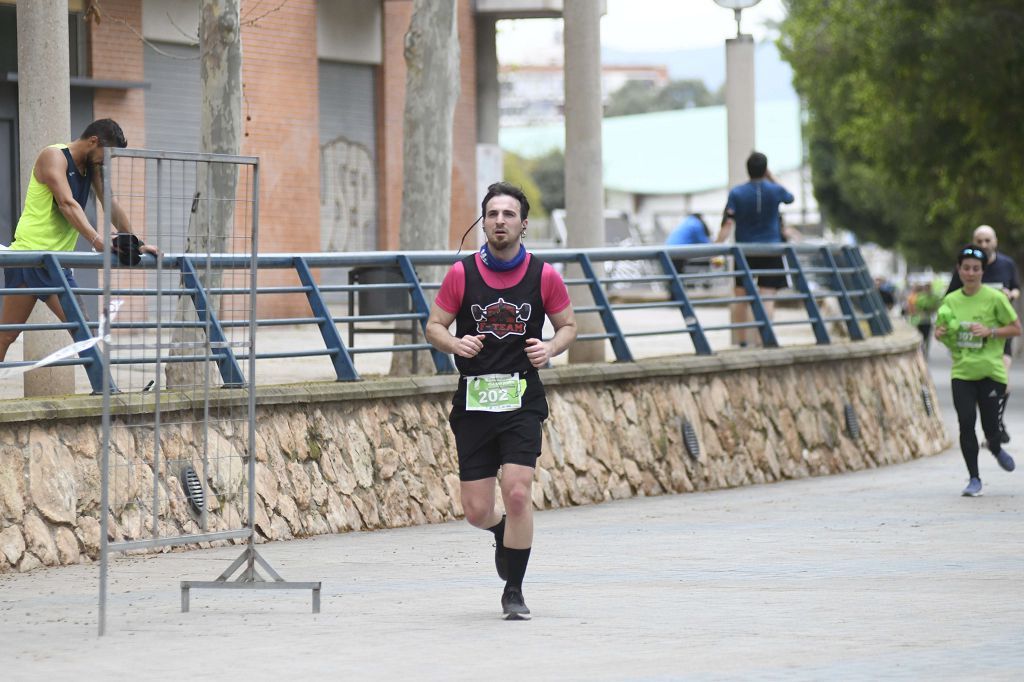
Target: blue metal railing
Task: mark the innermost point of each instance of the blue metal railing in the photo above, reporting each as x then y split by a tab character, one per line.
815	272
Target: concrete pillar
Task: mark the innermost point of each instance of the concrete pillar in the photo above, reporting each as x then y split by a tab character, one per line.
489	160
487	95
44	118
584	187
739	104
739	108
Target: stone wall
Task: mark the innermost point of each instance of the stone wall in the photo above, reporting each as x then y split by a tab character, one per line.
334	457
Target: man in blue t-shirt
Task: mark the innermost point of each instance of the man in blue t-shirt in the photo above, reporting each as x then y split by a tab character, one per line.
753	210
1000	273
693	230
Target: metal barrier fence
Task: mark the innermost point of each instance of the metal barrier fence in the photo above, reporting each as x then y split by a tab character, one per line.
816	274
181	328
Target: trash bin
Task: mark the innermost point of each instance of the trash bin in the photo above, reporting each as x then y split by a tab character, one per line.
380	301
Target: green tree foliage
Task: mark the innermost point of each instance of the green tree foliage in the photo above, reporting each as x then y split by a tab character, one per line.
517	171
542	179
916	118
686	94
638	97
548	172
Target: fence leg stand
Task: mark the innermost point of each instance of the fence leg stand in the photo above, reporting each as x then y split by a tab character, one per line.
249	579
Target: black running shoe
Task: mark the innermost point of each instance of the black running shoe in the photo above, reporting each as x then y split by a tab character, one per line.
501	559
513	606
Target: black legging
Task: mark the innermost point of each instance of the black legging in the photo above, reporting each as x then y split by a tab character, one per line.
985	394
926	337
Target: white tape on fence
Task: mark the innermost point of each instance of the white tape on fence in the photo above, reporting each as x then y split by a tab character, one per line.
102	335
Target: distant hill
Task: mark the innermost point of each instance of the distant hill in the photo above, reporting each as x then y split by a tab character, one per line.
774	77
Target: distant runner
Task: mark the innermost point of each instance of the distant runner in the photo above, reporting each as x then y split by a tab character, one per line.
972	322
1000	272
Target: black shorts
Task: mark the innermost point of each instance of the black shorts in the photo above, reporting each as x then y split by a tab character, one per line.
487	440
766	263
35	278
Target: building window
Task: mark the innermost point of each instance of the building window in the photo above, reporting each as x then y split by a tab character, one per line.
78	42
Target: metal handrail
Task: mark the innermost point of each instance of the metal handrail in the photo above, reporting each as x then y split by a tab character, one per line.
815	272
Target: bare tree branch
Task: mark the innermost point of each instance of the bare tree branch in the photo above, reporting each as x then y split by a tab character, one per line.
95	12
193	40
246	21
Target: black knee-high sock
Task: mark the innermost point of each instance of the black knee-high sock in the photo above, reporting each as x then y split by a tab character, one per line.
499	531
517	560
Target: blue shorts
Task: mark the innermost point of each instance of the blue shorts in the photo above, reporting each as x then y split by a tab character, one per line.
35	278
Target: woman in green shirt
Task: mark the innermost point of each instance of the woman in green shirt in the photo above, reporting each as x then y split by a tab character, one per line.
973	322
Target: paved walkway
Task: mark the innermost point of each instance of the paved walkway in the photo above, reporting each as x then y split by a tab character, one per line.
882	574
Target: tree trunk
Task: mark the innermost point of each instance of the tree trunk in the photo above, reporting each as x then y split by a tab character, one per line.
212	221
431	91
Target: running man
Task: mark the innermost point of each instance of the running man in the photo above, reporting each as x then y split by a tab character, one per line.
498	299
54	217
973	321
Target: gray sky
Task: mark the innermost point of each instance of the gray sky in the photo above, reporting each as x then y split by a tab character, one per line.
639	25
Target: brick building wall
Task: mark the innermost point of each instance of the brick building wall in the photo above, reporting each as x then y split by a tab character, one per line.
280	111
280	118
397	15
115	53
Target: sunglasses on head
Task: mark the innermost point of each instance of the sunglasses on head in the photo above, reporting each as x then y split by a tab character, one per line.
976	253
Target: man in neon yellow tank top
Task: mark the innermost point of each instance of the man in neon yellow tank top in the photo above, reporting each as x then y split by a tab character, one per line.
54	216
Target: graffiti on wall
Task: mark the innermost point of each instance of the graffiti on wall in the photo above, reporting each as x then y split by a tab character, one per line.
348	197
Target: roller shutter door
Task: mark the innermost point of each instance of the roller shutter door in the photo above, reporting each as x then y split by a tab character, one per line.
173	100
172	124
348	157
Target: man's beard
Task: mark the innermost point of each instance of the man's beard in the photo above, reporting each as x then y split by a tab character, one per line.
507	241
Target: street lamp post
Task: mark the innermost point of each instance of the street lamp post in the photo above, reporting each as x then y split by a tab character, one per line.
739	114
739	93
737	6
